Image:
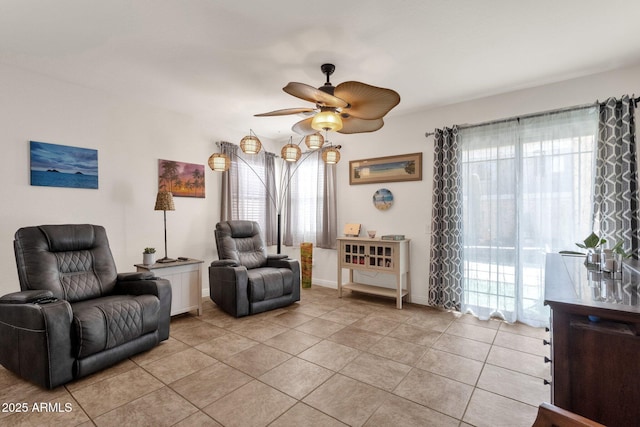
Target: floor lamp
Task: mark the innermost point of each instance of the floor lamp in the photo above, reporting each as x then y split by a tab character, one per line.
164	202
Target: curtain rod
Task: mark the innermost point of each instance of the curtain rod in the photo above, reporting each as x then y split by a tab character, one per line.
526	116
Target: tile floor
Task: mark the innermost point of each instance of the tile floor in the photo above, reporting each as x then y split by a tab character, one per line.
324	361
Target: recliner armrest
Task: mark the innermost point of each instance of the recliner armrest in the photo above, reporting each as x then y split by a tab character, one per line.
228	287
31	330
224	263
289	263
132	276
161	288
276	256
28	297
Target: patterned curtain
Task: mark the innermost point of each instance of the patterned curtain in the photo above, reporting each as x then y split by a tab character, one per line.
446	269
616	199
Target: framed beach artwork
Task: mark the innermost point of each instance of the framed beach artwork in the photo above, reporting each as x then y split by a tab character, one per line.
54	165
180	178
405	167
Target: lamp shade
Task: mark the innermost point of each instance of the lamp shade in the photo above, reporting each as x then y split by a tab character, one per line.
164	201
250	144
314	141
219	162
327	120
291	152
331	155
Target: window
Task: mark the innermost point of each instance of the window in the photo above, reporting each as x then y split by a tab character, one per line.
305	200
248	190
305	196
526	191
311	213
252	193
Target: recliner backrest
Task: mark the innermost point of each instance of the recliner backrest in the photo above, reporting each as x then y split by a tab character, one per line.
241	241
73	261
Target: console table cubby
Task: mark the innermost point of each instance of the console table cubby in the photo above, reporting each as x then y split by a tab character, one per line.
375	255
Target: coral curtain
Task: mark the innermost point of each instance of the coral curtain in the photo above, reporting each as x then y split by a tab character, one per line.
446	264
616	199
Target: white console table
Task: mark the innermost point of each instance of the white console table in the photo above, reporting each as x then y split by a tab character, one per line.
186	283
376	255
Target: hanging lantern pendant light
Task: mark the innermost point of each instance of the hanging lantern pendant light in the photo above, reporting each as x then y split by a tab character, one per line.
250	144
219	162
314	141
331	155
291	152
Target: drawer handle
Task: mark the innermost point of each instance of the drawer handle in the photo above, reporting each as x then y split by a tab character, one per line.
546	328
546	359
546	342
547	382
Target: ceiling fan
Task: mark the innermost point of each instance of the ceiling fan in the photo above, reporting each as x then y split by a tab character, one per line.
350	107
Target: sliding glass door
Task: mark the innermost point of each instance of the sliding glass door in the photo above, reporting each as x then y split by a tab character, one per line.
526	191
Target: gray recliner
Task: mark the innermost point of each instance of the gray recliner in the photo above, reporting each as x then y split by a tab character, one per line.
245	280
75	314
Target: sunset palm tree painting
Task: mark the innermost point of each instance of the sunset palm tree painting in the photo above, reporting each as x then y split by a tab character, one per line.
181	179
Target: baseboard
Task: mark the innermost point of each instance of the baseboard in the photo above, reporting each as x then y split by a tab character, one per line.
419	300
325	283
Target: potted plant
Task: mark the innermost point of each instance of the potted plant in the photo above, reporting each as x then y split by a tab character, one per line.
592	244
149	256
618	249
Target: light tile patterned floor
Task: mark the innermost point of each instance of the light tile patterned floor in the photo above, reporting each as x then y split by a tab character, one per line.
324	361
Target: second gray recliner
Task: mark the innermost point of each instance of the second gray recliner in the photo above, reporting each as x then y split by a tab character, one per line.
245	280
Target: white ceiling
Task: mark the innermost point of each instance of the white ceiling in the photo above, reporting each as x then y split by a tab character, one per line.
224	60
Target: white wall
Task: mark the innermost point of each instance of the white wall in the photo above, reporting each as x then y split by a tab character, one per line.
131	137
411	212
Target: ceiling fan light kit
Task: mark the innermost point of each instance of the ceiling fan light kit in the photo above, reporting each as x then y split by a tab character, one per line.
327	121
350	107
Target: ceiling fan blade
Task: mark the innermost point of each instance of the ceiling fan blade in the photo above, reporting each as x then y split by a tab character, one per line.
285	112
303	127
366	101
356	125
311	94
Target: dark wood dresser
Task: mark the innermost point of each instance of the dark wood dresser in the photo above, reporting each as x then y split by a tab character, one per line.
595	340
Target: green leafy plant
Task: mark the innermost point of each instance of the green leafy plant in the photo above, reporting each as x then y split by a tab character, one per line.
149	251
618	249
591	242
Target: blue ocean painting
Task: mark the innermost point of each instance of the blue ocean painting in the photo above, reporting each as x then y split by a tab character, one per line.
54	165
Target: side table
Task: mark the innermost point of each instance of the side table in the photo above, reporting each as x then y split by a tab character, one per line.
186	283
